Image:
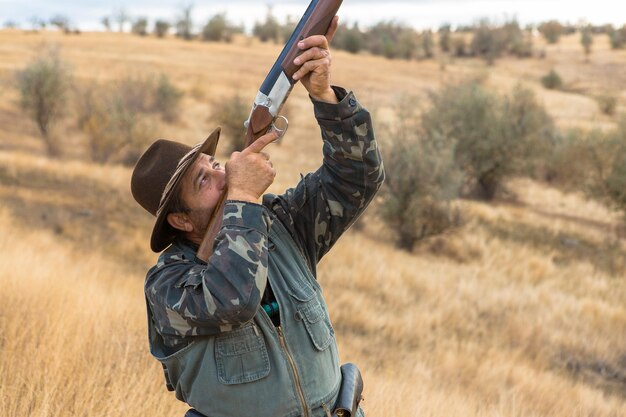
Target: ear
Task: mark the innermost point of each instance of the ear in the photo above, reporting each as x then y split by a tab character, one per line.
180	221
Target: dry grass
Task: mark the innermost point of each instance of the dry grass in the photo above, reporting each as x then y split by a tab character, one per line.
520	312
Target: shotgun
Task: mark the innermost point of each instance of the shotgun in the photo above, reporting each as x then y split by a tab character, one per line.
273	95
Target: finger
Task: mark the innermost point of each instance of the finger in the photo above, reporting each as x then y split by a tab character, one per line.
334	24
258	145
316	40
310	66
311	54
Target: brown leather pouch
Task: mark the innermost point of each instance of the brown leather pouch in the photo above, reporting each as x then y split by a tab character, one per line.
350	392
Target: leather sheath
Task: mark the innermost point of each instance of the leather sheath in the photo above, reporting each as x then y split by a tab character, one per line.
350	392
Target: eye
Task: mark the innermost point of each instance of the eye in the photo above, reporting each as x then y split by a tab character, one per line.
204	180
216	165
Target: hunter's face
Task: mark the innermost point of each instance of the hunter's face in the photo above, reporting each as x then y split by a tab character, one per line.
201	190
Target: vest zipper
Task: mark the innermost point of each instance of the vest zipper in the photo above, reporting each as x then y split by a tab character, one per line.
293	368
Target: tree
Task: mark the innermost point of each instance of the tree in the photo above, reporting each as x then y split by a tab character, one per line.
43	86
161	27
445	41
421	180
121	17
184	24
106	22
218	29
427	43
61	22
140	26
586	39
268	30
492	136
551	30
353	39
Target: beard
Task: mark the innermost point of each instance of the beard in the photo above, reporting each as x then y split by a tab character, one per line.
200	221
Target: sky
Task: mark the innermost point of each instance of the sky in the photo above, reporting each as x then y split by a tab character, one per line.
421	14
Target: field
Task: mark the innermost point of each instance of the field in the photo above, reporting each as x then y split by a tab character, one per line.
519	312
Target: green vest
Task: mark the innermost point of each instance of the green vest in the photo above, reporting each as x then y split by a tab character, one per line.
260	370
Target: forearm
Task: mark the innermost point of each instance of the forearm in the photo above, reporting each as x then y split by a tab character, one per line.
194	299
352	170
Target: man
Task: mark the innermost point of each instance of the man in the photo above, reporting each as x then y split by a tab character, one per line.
247	333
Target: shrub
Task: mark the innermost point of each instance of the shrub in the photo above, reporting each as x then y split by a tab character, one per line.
61	22
115	130
552	80
349	39
486	43
230	114
140	26
607	103
392	40
288	28
586	39
493	137
184	24
268	30
219	29
421	180
445	38
116	116
167	99
427	43
43	86
551	31
617	37
161	27
459	46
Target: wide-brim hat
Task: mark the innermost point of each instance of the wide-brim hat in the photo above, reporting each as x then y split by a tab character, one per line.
157	177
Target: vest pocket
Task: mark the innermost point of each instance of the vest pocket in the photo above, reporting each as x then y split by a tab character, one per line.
241	356
317	324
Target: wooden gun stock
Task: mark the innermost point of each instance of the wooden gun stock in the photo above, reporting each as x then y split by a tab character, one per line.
315	21
260	123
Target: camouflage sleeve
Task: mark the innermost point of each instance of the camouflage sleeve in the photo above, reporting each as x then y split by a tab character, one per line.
190	298
325	203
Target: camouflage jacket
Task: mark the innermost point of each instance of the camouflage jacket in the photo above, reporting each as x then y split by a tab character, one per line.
316	212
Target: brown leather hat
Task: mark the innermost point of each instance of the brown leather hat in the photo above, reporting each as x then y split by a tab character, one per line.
157	177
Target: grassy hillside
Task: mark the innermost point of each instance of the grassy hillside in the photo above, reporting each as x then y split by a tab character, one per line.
519	312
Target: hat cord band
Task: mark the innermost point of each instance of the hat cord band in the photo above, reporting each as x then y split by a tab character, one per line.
182	166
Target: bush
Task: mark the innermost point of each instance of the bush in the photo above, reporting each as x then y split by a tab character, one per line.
427	43
617	37
288	28
349	39
421	180
43	86
551	31
493	137
161	27
607	103
268	30
586	39
230	114
184	24
459	46
445	38
167	99
552	80
115	116
219	29
392	40
140	27
115	130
